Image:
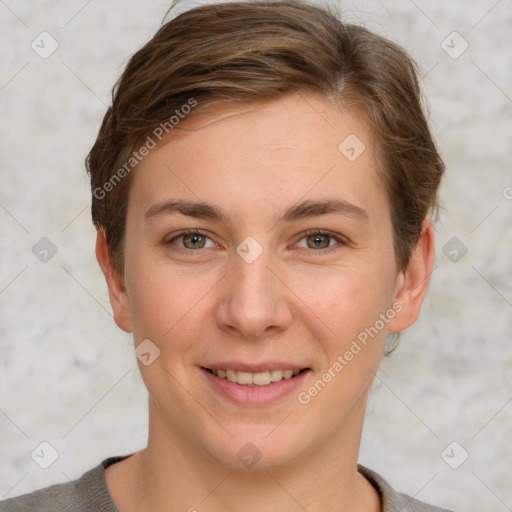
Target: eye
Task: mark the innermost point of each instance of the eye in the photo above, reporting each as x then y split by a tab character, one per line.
191	240
321	241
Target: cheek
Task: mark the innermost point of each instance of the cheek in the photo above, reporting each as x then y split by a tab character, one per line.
350	301
348	298
165	302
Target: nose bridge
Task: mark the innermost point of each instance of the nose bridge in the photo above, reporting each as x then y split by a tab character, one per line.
253	277
254	300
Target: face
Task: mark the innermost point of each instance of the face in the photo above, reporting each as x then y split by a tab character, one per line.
291	263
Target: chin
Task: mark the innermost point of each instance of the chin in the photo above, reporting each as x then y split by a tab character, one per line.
258	448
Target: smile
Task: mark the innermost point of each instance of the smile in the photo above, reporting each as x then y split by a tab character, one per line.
254	379
258	389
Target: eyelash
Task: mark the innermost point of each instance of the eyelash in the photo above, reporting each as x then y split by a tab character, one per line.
311	232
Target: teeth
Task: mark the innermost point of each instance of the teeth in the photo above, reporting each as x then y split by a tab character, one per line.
231	375
260	378
255	379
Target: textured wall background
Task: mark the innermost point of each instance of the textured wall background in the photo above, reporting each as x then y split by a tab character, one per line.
68	375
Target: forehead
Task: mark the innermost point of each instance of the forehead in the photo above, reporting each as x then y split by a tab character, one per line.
293	125
256	154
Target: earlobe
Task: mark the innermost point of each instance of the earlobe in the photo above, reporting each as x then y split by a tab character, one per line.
412	284
116	288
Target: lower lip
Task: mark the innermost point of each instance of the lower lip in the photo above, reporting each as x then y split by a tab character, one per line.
257	395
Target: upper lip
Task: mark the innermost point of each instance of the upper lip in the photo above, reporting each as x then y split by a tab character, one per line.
253	368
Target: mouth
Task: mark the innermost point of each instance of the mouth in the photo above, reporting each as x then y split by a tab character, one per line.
262	388
257	379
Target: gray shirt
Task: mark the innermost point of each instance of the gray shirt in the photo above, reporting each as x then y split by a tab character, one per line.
89	493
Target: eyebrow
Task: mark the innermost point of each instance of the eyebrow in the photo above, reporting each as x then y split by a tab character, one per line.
305	209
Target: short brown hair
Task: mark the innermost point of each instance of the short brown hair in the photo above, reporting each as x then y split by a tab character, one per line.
259	51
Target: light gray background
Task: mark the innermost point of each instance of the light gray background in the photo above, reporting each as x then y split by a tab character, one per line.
68	374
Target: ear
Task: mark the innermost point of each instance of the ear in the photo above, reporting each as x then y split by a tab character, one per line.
116	289
412	283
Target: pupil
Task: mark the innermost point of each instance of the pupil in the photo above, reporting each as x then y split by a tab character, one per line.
193	240
320	241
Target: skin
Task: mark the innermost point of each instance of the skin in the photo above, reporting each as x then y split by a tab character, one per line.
295	303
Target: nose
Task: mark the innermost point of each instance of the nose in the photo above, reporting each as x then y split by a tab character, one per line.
253	301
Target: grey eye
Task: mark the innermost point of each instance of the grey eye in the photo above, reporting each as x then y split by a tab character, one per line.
318	241
194	241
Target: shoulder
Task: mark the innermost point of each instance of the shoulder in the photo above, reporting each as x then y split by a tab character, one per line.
394	501
56	497
87	493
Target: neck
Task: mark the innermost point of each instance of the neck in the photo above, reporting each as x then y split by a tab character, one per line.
175	472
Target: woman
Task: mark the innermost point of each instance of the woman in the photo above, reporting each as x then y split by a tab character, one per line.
262	189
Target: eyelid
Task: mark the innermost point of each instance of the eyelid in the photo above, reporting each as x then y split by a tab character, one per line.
183	232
